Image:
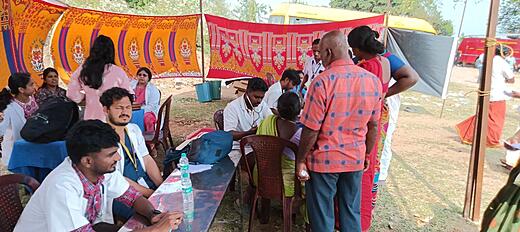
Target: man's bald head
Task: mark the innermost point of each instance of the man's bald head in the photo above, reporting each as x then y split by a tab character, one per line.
333	46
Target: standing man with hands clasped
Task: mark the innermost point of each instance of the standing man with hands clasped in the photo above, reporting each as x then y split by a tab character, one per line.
340	129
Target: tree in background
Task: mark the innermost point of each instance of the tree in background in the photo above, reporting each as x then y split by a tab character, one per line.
376	6
138	3
250	11
424	9
246	10
509	17
141	7
218	7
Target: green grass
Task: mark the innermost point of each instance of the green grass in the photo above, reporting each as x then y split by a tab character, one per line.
191	110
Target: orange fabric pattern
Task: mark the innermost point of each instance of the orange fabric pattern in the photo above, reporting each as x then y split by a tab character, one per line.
25	27
165	44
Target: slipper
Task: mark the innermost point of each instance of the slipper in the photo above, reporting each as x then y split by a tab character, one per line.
505	165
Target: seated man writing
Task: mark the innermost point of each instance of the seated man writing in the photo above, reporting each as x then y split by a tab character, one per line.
242	116
75	196
136	165
290	79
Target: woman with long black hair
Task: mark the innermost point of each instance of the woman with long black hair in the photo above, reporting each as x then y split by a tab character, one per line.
17	104
96	75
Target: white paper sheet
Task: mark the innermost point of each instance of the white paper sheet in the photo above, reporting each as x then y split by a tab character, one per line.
199	168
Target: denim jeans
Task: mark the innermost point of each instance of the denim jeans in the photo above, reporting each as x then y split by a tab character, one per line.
320	191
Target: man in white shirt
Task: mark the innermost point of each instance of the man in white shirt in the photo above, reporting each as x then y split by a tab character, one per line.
75	196
243	115
312	67
501	74
290	78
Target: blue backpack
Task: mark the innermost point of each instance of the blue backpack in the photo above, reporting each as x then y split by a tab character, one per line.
211	147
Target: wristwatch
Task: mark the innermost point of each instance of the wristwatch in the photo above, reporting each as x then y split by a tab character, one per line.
156	212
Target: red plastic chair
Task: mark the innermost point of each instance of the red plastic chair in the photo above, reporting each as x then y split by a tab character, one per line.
268	153
10	204
161	135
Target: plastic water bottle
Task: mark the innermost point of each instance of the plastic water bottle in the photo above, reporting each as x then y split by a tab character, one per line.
185	175
187	190
188	209
188	206
184	164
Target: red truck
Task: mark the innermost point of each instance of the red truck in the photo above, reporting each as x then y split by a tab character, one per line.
471	48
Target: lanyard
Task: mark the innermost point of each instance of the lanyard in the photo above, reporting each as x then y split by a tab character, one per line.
130	156
315	71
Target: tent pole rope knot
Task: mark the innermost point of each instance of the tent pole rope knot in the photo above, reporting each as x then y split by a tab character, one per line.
490	42
480	93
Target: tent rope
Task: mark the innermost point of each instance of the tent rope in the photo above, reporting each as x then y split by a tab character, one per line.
480	93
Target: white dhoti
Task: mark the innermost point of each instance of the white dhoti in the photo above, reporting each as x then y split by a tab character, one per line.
393	102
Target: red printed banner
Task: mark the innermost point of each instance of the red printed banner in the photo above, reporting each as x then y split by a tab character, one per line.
242	49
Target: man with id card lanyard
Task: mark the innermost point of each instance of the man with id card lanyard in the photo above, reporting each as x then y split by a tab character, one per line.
76	195
312	67
136	164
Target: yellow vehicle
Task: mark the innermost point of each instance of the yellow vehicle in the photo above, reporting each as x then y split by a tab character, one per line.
291	13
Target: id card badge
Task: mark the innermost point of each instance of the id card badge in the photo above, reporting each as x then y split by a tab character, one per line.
142	182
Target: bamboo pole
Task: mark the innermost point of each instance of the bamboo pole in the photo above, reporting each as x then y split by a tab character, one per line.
476	167
458	36
387	12
202	40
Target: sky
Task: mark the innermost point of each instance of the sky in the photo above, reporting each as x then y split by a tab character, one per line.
475	20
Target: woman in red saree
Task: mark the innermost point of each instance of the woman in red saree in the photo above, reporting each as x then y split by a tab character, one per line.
366	47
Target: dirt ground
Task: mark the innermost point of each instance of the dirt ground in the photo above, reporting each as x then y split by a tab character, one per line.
426	186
